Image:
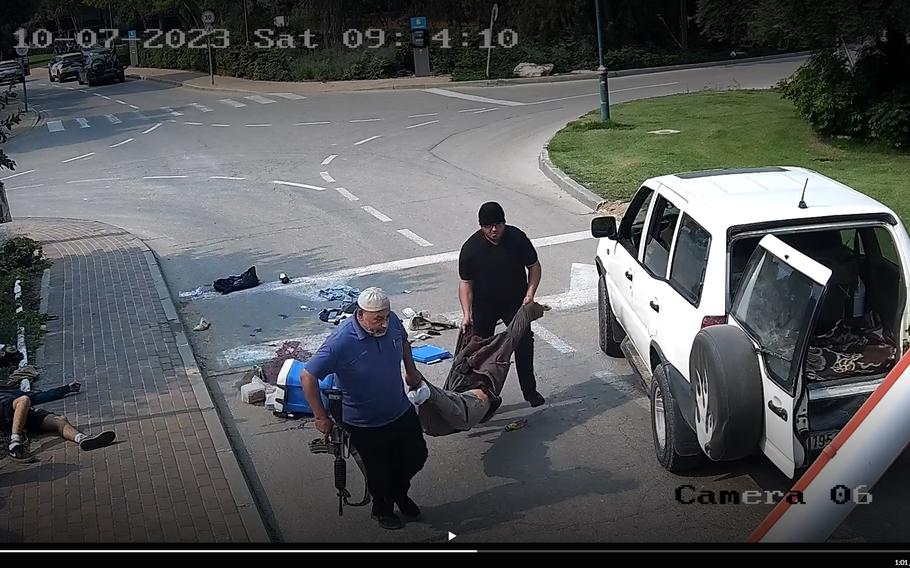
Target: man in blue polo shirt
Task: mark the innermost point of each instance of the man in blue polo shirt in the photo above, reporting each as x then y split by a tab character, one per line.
366	353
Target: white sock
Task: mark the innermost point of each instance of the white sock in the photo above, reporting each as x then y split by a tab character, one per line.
14	440
419	395
79	437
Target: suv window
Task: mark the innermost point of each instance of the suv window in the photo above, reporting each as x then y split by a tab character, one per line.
633	222
690	259
660	235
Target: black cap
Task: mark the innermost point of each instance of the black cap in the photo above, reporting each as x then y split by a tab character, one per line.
491	213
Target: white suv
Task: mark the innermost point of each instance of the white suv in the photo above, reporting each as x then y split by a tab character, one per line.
760	306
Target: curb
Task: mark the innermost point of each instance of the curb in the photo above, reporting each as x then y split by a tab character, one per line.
510	81
240	490
565	183
21	129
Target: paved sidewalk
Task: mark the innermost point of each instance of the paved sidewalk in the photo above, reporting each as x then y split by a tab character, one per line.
171	476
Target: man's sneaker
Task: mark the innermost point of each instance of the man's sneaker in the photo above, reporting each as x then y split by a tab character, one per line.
535	399
19	452
390	521
97	441
408	508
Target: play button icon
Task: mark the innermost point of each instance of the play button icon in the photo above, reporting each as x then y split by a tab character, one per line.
451	535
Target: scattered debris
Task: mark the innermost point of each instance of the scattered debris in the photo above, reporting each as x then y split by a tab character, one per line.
517	425
430	354
287	350
405	291
308	308
339	294
198	292
283	316
252	393
238	282
202	325
257	330
284	278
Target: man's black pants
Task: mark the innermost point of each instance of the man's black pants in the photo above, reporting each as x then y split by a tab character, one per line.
392	455
486	315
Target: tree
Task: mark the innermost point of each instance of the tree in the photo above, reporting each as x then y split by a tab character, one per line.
6	126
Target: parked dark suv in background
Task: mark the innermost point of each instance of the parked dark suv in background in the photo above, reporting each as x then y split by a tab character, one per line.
99	66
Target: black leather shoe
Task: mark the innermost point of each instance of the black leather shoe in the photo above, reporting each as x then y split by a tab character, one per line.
408	508
390	522
535	399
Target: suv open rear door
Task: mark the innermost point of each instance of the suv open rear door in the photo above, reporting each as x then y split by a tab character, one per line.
776	304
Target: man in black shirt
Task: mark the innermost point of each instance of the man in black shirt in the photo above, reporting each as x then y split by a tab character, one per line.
499	274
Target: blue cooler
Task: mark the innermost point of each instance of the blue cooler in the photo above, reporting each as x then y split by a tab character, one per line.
290	397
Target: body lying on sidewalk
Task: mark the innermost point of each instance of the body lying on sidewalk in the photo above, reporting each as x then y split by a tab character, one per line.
471	392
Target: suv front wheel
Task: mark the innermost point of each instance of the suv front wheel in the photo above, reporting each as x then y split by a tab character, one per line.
609	342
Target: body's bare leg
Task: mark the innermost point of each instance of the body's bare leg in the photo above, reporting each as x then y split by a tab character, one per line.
21	407
62	427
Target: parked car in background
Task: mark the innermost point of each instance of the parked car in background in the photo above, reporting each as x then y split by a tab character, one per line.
101	65
10	72
66	66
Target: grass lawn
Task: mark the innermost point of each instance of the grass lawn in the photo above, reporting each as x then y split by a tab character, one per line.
718	130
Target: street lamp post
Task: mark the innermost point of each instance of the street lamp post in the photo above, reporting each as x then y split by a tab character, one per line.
604	87
246	23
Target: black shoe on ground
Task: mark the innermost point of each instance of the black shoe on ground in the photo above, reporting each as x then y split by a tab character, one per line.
97	441
408	508
19	452
390	522
535	399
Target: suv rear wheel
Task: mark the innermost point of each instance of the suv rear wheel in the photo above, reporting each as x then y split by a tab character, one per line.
675	444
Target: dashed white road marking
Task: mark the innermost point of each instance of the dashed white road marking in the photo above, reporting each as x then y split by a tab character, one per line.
259	99
124	103
422	124
415	237
152	128
327	177
127	141
220	125
171	111
358	120
485	110
228	177
289	96
258	125
328	160
312	123
134	107
193	123
83	123
17	175
376	214
475	98
25	186
232	102
471	109
55	125
89	155
93	180
113	119
165	177
203	108
294	184
365	140
350	196
423	115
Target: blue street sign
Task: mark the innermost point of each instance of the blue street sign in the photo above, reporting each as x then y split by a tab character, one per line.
419	23
131	34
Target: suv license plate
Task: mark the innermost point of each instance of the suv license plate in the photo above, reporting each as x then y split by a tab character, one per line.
818	440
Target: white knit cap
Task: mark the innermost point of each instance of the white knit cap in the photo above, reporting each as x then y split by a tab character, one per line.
373	300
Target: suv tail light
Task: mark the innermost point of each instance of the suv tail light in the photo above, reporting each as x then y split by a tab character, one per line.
708	321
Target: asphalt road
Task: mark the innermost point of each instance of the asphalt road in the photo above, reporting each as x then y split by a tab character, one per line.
381	188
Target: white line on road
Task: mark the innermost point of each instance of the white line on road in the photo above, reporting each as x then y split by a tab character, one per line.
113	119
327	177
89	155
231	102
134	107
328	160
365	140
141	115
259	99
102	96
165	177
376	214
55	125
25	186
346	274
70	89
422	124
356	120
127	141
228	177
485	110
312	123
17	175
415	237
258	125
220	125
123	102
152	128
203	108
471	109
551	338
350	196
612	91
303	185
93	180
423	115
289	96
193	123
475	98
171	111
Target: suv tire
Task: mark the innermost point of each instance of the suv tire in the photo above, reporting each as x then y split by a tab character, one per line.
607	324
727	392
673	439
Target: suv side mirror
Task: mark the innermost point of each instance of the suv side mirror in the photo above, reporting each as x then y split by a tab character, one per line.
603	227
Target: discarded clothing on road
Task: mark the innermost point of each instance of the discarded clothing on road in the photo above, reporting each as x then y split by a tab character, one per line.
344	294
471	392
236	283
15	378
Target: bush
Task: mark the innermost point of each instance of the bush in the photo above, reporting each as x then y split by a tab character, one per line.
823	93
889	121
